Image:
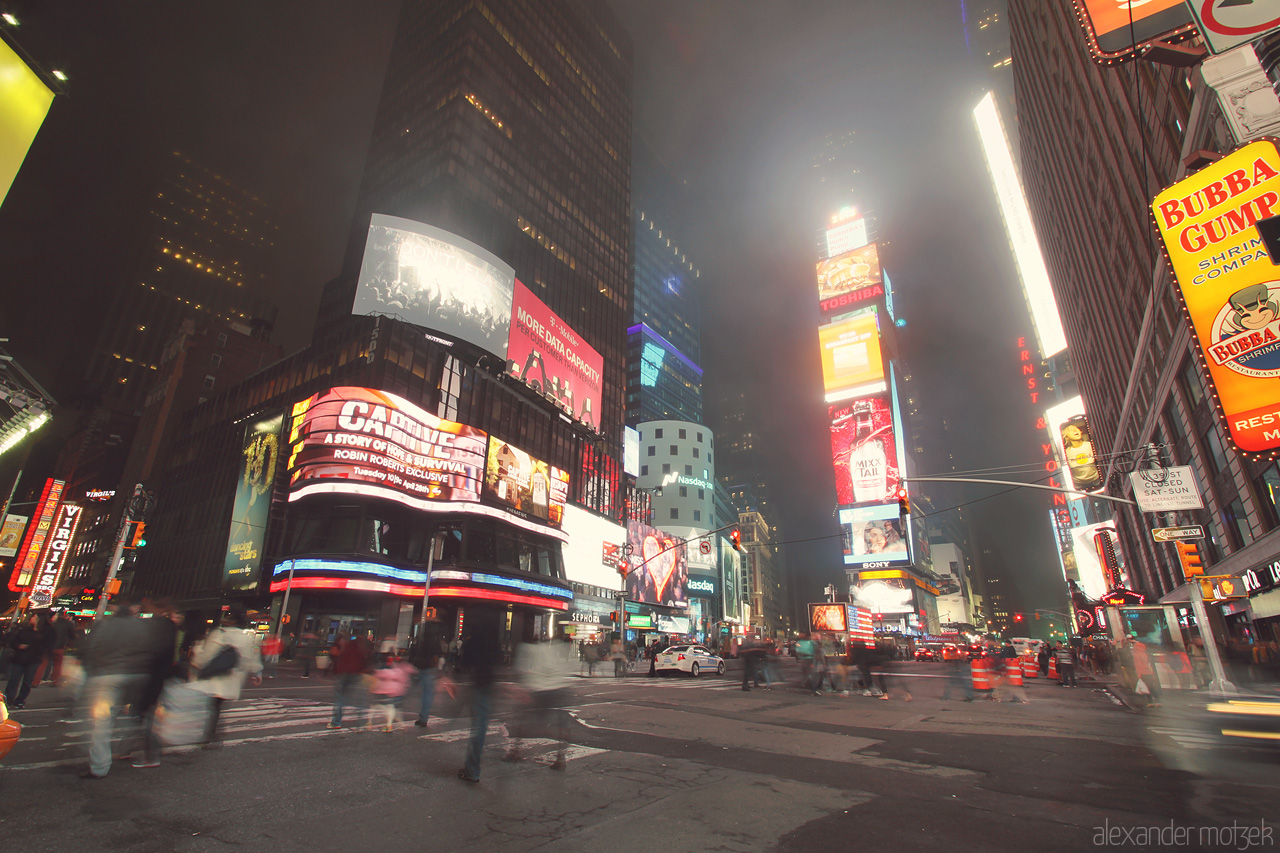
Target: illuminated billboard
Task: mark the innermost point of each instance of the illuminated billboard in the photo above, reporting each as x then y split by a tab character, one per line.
852	364
854	273
828	617
1090	545
437	280
553	359
873	534
593	550
525	485
1069	431
251	510
659	566
1115	28
11	534
54	556
846	235
885	595
24	102
1229	285
864	451
24	566
1021	231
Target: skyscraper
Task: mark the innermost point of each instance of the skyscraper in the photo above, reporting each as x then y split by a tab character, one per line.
202	258
1094	155
508	123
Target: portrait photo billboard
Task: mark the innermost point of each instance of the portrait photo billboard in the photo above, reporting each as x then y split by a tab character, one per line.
873	534
251	510
1229	284
659	566
1069	431
437	280
551	358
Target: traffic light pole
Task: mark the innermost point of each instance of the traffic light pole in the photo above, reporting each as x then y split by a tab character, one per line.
1220	685
117	554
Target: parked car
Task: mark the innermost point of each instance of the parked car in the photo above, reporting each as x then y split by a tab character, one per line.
691	659
10	730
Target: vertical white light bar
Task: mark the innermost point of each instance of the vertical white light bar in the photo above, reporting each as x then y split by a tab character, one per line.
1021	231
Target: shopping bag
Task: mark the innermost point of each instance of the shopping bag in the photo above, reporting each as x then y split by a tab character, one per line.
1142	689
182	714
72	674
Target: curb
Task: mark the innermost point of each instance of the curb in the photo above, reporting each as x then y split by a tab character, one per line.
1119	696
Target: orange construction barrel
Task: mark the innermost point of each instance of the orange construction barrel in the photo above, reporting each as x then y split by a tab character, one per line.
1013	673
1053	665
1030	669
982	680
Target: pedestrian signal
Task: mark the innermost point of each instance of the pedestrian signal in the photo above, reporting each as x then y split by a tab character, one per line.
735	537
904	502
1189	557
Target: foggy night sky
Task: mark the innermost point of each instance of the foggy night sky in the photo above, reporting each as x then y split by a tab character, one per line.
280	99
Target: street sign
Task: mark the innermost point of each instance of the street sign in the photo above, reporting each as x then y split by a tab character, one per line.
704	547
1230	23
1170	534
1166	489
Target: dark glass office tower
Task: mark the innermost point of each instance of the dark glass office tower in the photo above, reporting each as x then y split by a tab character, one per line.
508	122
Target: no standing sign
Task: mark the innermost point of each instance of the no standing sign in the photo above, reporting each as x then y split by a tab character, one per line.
1230	23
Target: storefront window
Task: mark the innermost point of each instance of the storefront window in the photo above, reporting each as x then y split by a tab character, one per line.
452	550
507	552
482	547
1237	522
1268	484
333	532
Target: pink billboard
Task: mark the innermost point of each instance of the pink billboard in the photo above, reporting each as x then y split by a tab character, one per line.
553	359
863	451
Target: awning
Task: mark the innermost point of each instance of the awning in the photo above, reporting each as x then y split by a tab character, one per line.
1181	595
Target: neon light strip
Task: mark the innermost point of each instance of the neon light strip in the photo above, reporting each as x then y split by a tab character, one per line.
643	328
418	577
416	591
372	491
518	583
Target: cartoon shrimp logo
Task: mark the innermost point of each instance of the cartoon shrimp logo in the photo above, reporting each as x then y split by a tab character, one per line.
1246	332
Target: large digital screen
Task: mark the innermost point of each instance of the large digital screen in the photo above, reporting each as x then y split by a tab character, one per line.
1069	431
828	617
846	236
593	550
885	595
24	102
1089	545
851	360
553	359
524	484
864	451
364	441
846	274
434	279
251	511
659	566
873	534
1229	285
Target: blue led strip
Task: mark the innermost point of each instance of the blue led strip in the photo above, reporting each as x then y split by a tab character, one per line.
526	586
351	567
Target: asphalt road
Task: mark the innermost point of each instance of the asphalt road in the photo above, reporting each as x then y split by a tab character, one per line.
668	764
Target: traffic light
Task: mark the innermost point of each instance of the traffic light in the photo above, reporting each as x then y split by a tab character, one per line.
133	537
1189	557
735	537
613	617
1017	617
904	502
1037	616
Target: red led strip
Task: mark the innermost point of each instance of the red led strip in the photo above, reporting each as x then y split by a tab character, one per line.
416	591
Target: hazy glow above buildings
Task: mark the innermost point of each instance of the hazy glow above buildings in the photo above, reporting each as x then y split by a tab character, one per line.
1021	231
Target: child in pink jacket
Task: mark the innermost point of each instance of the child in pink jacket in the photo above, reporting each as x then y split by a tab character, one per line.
391	682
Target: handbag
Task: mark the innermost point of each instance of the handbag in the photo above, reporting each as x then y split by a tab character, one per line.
182	714
220	664
1142	689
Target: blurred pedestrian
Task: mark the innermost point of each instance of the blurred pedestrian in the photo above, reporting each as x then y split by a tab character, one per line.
1144	669
1042	659
391	682
887	653
426	656
481	653
118	657
162	626
272	646
543	677
1066	665
222	662
27	647
308	643
64	632
350	656
752	653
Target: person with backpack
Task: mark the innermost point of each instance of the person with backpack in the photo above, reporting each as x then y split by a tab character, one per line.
426	655
118	656
222	662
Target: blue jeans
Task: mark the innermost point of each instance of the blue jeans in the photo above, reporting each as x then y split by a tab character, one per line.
345	689
21	677
481	705
427	679
103	695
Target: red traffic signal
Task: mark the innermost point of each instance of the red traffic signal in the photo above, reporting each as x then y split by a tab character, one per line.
735	536
904	502
1017	617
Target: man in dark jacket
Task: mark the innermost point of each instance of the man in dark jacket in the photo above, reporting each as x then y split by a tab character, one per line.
425	654
119	655
481	655
28	644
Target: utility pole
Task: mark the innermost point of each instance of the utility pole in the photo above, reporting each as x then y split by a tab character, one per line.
135	510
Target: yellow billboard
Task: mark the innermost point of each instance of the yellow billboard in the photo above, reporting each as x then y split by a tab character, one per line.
851	358
24	102
1230	286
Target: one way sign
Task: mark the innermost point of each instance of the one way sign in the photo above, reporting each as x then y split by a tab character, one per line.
1230	23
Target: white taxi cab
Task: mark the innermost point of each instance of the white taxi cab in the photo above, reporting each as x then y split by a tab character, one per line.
691	659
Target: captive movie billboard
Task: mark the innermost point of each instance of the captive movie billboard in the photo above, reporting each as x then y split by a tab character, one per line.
553	359
437	280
